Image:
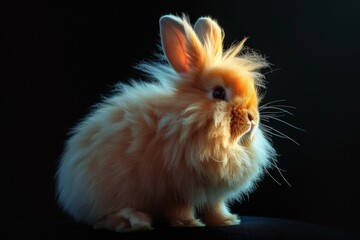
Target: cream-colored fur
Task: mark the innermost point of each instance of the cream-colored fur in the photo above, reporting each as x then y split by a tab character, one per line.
168	150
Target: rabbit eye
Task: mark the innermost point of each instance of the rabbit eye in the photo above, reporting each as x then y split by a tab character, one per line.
219	93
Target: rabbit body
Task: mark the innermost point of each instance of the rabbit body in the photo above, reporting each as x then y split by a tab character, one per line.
174	149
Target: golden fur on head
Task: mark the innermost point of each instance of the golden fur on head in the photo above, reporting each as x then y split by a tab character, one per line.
166	150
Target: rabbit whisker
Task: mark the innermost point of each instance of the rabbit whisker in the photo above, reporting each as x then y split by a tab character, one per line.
281	133
282	121
271	102
272	177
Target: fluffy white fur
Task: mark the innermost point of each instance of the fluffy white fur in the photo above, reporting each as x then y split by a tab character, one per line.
167	150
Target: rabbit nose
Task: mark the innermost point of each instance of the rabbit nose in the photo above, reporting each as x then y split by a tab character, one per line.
244	114
250	117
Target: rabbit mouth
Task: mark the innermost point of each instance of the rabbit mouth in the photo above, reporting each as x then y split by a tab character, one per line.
247	135
253	127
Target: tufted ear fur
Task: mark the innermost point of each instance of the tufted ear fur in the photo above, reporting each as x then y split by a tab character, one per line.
210	35
180	43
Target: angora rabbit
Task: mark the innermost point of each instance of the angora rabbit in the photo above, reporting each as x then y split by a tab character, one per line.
175	150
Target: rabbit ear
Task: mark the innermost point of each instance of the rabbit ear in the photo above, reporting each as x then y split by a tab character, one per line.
210	34
180	43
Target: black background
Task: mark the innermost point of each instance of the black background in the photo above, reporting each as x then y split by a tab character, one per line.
60	60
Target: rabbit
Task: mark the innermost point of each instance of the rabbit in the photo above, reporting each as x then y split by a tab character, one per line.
177	150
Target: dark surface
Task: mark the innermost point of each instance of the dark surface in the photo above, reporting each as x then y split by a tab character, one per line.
60	59
251	228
